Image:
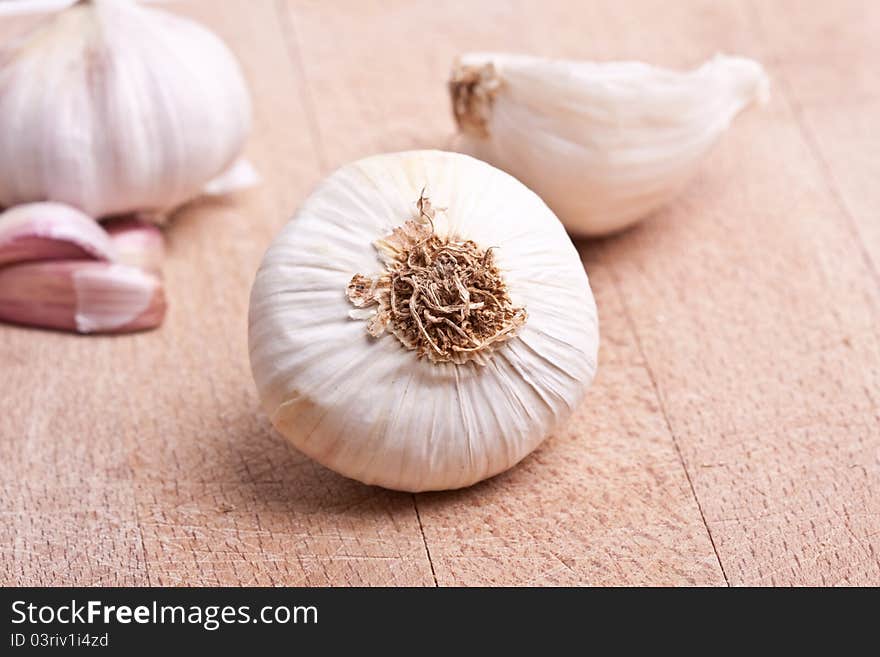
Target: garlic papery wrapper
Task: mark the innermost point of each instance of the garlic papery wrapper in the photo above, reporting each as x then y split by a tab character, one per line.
115	108
51	231
348	375
241	175
604	144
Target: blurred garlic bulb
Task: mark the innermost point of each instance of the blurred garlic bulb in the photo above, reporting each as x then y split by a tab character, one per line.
114	108
604	144
422	323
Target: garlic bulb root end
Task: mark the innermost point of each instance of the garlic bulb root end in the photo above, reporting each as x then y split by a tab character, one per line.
445	298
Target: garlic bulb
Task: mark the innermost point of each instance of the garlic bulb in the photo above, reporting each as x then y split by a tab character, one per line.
423	322
114	108
604	144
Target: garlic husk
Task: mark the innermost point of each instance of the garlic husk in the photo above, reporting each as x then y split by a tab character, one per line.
82	296
373	409
241	175
604	144
115	108
51	231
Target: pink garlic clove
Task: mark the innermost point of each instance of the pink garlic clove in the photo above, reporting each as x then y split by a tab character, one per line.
51	231
82	296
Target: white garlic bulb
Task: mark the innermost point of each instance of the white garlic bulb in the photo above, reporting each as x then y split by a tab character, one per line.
422	323
113	108
604	144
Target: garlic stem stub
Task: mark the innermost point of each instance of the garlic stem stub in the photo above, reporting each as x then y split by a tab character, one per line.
604	144
422	323
116	108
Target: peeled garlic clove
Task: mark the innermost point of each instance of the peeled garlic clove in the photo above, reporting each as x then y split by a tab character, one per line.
116	108
137	243
82	296
51	231
604	144
426	391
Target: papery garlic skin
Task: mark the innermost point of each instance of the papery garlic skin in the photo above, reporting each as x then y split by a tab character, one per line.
114	297
115	108
241	175
604	144
370	408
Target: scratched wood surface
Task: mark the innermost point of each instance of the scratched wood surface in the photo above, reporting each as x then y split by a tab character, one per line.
732	436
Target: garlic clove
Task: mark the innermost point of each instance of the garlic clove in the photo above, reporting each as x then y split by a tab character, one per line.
241	175
137	243
51	231
81	296
348	380
604	144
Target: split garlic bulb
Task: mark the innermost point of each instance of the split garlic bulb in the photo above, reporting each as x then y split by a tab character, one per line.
113	108
422	323
604	144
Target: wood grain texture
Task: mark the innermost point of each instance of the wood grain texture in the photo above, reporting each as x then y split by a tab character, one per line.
733	432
